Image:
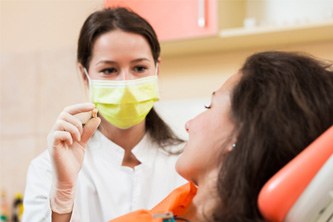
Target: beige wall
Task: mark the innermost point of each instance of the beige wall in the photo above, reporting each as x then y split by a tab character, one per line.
197	75
38	75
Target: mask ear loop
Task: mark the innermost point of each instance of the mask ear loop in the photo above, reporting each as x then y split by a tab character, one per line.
89	83
156	70
87	75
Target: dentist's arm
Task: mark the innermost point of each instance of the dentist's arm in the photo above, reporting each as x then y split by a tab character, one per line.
67	142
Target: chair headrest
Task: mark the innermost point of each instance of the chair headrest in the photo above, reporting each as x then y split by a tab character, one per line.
281	192
316	201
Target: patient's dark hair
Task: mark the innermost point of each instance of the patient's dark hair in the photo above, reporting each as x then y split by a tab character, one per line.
282	103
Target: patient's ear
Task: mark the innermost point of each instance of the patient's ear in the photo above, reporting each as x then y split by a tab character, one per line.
232	141
233	146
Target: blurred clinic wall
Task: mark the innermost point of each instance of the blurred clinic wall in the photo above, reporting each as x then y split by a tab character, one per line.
38	75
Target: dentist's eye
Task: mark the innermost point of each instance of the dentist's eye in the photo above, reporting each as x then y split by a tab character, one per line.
140	69
208	107
109	71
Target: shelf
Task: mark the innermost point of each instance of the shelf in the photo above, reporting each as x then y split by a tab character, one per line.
242	38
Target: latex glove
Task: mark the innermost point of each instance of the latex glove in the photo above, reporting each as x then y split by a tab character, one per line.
67	142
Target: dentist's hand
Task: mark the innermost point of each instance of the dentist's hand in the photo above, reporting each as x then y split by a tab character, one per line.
67	142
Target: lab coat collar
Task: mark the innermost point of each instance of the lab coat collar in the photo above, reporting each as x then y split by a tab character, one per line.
144	151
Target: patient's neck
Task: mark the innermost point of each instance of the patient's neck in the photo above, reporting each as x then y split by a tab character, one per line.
203	203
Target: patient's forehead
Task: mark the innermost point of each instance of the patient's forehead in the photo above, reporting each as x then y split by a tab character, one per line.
230	83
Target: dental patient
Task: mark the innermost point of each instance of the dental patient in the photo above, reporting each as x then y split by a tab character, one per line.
258	120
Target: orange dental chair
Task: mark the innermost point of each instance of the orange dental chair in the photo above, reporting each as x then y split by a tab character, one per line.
302	191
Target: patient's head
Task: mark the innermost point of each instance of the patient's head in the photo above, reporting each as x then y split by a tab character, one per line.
267	113
282	102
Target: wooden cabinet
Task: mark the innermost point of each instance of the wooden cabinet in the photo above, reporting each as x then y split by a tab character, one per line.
183	30
176	19
259	37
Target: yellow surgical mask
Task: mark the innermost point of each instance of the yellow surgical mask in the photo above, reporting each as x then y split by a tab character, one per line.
124	103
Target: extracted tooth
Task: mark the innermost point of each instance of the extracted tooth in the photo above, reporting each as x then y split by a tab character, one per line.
94	113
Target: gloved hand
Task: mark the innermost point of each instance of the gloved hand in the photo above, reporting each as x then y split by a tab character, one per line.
67	142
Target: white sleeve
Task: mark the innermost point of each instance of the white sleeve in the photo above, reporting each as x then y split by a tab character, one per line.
36	197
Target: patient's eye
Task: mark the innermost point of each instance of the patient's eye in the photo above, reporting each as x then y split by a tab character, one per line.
210	105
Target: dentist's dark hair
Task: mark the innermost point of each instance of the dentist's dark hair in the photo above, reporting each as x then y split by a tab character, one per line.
110	19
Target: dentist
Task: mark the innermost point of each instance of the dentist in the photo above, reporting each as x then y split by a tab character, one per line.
121	160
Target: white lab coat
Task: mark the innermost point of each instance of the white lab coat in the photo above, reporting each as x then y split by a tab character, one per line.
105	189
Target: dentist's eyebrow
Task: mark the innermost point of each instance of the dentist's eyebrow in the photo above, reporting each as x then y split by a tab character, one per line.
111	62
140	60
105	62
